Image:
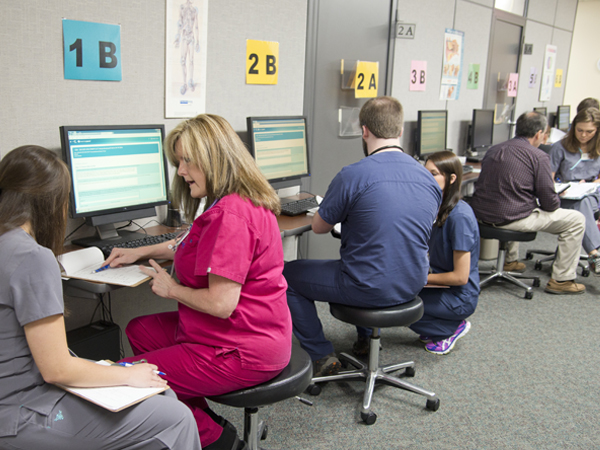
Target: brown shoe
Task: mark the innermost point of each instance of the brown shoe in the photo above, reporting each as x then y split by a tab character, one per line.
514	266
568	287
327	365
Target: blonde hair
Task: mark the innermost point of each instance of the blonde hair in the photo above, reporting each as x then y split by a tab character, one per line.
209	142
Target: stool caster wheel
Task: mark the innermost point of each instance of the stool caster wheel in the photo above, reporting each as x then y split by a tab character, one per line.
528	255
528	295
265	433
409	372
433	405
538	265
313	389
368	418
585	272
536	282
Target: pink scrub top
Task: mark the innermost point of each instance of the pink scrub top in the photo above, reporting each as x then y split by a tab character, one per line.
241	242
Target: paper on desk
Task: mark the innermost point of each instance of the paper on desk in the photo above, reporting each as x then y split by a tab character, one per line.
81	263
576	191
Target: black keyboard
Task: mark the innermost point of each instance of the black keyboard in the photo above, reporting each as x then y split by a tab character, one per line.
135	243
467	168
297	207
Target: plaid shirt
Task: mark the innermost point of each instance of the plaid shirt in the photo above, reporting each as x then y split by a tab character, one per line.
515	179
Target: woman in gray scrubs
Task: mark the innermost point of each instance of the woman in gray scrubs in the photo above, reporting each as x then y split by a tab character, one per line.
35	414
577	158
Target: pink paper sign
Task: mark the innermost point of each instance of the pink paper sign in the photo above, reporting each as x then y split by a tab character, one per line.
513	82
418	75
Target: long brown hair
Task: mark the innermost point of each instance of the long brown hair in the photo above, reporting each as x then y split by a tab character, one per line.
34	188
211	144
447	163
570	141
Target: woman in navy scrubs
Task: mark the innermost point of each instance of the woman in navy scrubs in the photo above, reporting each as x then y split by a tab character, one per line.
453	255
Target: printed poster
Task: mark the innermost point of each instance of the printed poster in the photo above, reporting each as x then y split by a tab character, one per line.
452	67
548	73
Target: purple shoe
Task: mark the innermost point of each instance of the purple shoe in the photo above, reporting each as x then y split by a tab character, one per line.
425	339
444	346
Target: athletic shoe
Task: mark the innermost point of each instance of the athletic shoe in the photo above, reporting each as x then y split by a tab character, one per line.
327	365
361	346
514	266
568	287
594	262
444	346
425	339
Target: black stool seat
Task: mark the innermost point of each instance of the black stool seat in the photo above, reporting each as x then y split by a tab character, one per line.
491	232
394	316
505	236
292	381
372	373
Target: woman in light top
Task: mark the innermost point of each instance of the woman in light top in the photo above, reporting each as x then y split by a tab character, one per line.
453	257
35	414
576	158
233	327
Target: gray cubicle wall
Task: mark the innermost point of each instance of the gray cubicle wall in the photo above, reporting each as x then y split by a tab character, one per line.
35	98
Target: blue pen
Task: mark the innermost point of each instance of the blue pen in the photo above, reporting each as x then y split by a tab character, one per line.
101	268
126	364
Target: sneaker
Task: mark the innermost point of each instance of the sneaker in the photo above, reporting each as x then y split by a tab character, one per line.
594	262
425	339
514	266
361	346
327	365
568	287
444	346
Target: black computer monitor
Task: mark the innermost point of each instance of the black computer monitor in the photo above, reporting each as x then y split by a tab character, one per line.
432	127
542	110
118	173
563	117
279	144
482	128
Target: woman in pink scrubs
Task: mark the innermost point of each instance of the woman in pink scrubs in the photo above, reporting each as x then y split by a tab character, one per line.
232	328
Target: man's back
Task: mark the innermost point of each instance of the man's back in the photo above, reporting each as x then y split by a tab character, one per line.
387	204
514	176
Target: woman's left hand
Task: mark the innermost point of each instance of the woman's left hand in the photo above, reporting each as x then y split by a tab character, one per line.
162	282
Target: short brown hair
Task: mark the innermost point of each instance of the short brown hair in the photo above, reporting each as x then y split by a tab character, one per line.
586	103
383	116
34	188
211	144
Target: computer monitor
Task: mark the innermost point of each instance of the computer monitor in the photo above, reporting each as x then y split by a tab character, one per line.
563	117
542	110
118	173
482	128
279	144
431	132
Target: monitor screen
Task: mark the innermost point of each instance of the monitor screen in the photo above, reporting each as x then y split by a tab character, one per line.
482	128
118	173
431	132
542	110
563	117
280	147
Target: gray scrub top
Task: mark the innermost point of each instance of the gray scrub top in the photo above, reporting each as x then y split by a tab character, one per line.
30	290
571	166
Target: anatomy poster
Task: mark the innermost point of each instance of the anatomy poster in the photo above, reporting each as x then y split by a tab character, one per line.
185	58
548	73
452	68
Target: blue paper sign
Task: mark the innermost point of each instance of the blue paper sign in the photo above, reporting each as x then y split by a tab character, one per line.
92	51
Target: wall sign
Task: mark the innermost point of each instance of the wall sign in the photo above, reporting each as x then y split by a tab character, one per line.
558	78
513	83
367	78
452	64
532	77
548	73
418	75
405	30
262	60
473	77
92	51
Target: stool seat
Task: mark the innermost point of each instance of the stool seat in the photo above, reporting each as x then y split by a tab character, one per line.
292	381
492	232
394	316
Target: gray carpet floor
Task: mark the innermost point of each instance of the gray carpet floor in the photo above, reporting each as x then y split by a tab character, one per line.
525	377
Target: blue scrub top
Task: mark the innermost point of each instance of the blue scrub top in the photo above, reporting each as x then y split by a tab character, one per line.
571	166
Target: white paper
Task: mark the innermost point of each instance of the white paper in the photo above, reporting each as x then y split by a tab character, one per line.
577	190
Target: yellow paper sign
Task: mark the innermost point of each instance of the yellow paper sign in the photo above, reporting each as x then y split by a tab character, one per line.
262	59
367	79
558	78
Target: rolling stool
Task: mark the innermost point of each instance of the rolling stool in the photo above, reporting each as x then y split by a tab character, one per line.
505	236
394	316
291	382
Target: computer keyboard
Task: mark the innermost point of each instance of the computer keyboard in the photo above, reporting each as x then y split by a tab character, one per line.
467	168
297	207
135	243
